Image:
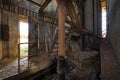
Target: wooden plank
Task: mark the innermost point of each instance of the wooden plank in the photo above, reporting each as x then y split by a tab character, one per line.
74	17
71	12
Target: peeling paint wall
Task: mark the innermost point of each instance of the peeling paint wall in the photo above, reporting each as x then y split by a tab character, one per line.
5	34
114	16
13	35
8	34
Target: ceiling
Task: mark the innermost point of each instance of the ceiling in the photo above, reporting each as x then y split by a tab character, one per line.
38	6
48	6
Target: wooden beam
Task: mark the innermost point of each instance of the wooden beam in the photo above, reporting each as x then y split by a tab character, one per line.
61	27
71	12
44	5
74	17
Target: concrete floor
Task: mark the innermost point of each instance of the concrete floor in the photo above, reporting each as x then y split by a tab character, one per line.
9	66
110	70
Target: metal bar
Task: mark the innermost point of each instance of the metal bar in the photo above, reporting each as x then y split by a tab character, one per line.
28	61
19	61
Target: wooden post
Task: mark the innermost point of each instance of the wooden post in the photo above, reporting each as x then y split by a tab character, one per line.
61	27
61	39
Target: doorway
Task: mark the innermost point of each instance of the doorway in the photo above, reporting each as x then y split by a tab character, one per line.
23	37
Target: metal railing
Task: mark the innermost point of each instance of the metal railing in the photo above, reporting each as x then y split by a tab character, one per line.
29	55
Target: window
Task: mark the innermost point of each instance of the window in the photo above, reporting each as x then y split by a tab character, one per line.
104	30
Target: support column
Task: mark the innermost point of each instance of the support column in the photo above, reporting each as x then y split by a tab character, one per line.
61	27
61	39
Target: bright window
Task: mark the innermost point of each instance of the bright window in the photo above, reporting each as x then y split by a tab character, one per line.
23	38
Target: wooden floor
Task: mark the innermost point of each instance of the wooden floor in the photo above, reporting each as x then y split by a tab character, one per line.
110	70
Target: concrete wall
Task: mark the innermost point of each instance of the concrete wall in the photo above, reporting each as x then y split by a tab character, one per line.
88	13
44	35
41	32
97	18
33	36
114	15
92	16
13	35
8	34
5	32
